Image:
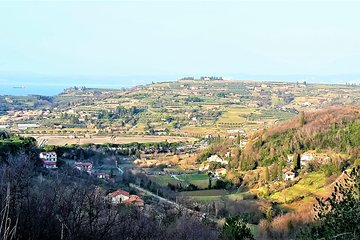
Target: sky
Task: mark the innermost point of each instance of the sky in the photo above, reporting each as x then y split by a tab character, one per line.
124	38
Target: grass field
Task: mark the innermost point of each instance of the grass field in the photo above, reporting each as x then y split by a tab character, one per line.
200	180
240	196
234	115
312	184
206	195
193	131
163	180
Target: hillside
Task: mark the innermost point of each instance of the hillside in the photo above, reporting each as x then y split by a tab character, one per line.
335	129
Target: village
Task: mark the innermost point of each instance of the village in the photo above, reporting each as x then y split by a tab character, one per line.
193	145
176	169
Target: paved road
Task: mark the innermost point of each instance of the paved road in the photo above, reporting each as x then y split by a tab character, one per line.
156	196
212	219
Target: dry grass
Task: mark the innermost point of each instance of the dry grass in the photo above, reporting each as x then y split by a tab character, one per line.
285	226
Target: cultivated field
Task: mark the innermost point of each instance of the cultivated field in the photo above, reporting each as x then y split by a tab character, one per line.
61	140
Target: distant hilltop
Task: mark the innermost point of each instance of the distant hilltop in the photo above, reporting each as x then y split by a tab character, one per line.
75	88
206	78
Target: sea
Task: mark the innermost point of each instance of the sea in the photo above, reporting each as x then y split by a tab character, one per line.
35	84
51	86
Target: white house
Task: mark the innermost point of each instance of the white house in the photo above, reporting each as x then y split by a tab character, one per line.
305	158
220	172
289	175
49	159
84	166
27	125
119	196
203	167
216	158
102	175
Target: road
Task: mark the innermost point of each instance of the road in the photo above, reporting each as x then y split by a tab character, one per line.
158	197
212	219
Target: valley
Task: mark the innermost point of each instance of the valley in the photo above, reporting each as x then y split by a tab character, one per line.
258	150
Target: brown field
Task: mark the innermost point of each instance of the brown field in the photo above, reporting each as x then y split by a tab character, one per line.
61	140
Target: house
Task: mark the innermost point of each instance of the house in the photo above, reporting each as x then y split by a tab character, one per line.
103	175
216	158
220	172
290	158
306	158
58	126
288	175
119	196
84	166
49	159
133	199
203	167
26	126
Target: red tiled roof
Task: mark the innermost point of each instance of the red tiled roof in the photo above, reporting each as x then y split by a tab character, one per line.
119	192
134	199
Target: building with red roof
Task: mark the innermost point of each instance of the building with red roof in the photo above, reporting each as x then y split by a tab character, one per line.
135	200
49	159
119	196
84	166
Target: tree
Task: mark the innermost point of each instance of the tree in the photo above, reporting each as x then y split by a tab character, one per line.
269	214
296	163
235	229
238	159
279	171
214	165
210	176
238	139
302	118
338	216
4	135
267	174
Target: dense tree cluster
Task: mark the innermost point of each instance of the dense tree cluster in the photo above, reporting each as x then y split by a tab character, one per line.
39	204
338	216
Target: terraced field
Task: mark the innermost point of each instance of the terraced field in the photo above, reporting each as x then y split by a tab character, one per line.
312	184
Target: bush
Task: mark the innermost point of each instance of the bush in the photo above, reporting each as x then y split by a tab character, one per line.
236	228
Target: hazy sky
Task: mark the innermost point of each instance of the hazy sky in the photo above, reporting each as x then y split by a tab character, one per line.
180	37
